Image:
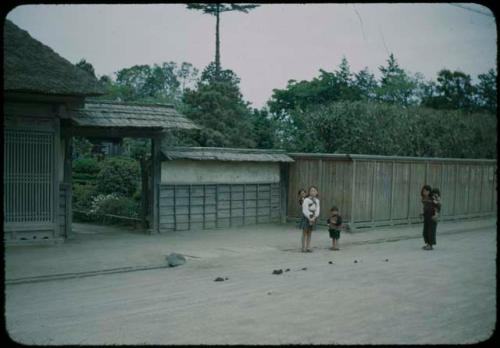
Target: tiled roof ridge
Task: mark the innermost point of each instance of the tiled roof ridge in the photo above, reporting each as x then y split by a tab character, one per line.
129	103
224	149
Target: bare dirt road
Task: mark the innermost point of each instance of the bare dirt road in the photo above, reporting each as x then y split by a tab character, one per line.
396	293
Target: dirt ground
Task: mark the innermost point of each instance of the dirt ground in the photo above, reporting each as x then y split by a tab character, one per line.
396	293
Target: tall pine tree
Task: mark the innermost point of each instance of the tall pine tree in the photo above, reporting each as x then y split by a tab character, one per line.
216	9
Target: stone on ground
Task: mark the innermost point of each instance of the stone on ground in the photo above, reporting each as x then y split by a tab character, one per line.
174	260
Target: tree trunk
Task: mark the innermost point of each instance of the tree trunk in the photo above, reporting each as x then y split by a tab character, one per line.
217	45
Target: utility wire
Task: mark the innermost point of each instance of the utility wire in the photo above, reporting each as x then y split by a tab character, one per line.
360	21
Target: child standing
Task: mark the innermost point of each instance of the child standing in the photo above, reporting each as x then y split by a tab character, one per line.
310	213
301	195
429	232
334	226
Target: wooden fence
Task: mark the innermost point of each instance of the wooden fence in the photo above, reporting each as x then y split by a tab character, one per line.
385	190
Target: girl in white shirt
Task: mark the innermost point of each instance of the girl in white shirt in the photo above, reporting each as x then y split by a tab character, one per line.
310	214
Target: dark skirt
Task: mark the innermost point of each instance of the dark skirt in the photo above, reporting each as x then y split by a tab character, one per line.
334	234
304	224
429	231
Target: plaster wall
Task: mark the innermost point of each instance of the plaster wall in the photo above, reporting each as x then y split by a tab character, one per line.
204	172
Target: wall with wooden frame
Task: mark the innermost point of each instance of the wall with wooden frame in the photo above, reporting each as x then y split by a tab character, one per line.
208	206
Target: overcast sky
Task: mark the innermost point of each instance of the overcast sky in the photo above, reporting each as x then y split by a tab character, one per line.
273	43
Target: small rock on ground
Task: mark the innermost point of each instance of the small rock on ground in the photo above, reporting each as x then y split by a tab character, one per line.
219	279
175	259
277	271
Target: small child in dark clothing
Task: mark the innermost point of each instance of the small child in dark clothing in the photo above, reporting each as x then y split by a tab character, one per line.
334	226
436	200
302	194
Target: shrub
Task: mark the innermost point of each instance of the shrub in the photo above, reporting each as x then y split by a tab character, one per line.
118	175
137	196
390	130
82	147
84	179
83	196
115	205
88	166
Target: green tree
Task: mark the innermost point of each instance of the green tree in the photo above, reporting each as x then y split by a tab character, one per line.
262	129
81	148
345	82
83	64
366	84
149	84
302	94
453	90
114	91
216	9
487	91
396	86
164	83
218	106
187	76
328	87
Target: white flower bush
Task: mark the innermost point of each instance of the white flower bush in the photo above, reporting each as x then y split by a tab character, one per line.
99	200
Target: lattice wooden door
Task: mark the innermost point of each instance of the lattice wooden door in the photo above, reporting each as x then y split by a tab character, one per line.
28	177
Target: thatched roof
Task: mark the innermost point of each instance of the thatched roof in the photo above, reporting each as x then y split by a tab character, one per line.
130	115
32	67
225	154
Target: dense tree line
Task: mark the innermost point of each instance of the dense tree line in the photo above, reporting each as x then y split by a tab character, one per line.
338	111
451	91
361	127
398	114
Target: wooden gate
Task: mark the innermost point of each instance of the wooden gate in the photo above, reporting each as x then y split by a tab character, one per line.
29	171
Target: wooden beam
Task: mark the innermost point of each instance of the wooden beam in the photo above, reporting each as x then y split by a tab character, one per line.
372	210
284	187
244	204
27	97
156	179
408	208
56	166
116	132
392	190
68	180
353	191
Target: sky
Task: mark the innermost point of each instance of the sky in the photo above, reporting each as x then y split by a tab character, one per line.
273	43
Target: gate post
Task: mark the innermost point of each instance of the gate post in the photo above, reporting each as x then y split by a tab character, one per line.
68	180
284	186
353	193
155	182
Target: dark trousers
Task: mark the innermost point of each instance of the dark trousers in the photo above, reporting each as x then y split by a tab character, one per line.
429	231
